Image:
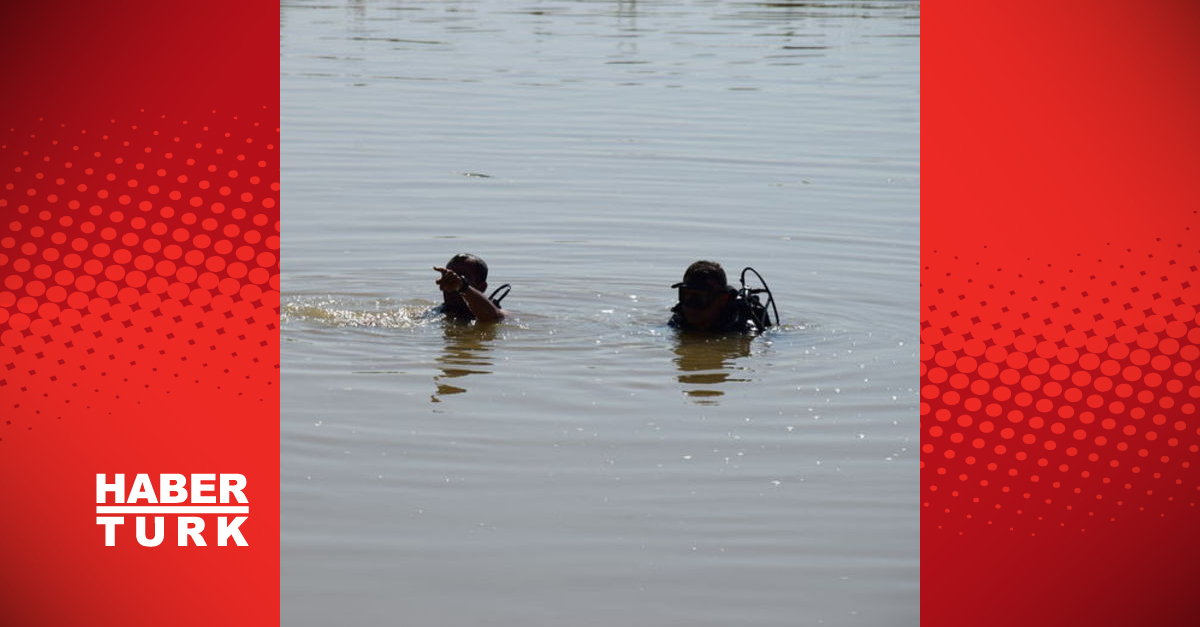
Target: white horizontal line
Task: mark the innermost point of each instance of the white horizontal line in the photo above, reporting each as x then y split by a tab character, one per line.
172	509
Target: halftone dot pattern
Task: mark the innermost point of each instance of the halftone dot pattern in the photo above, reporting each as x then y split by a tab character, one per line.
127	276
1060	398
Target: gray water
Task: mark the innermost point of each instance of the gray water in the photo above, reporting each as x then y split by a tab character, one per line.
580	463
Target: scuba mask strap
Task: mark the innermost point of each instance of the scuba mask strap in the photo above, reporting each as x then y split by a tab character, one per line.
496	299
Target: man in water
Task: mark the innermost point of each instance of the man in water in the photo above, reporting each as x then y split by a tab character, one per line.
463	281
707	303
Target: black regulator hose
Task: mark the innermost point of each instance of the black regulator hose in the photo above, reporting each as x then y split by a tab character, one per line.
496	299
765	289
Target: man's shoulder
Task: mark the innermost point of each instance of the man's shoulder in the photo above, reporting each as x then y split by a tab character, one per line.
452	314
676	321
750	315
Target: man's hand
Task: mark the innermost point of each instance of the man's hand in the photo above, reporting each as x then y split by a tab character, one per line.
450	281
481	307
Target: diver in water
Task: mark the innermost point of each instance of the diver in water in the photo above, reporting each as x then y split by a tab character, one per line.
463	284
707	303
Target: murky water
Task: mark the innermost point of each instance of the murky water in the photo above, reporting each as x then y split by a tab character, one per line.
581	464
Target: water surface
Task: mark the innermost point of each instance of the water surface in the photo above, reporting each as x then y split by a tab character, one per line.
582	464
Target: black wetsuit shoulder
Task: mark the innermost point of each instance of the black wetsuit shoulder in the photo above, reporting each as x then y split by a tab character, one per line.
738	317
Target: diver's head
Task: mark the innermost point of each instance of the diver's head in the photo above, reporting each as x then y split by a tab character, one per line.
471	268
704	295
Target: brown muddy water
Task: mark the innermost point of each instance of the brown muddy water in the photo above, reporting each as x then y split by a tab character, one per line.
582	464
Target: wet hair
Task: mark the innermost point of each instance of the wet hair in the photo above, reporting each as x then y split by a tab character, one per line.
708	273
476	268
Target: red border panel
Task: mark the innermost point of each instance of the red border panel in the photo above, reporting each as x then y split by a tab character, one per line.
1059	298
139	293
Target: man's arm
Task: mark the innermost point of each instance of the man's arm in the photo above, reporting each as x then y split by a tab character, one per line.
481	307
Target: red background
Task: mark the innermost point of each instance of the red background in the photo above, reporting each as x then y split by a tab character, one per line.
139	261
1060	151
1059	329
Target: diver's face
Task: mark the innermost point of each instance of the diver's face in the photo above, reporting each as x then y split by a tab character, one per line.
452	302
701	305
466	270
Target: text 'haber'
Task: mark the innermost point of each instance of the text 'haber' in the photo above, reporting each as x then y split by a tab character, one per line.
187	498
